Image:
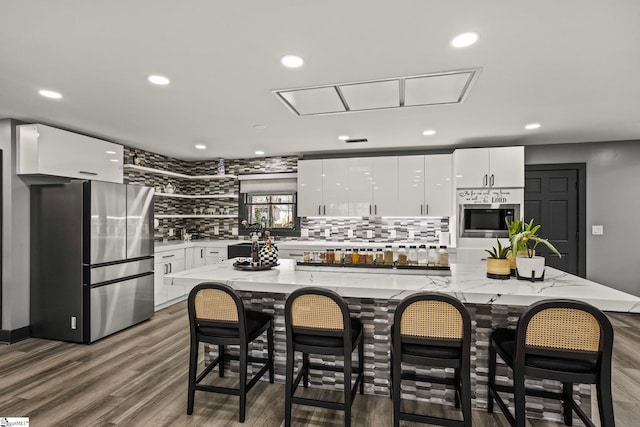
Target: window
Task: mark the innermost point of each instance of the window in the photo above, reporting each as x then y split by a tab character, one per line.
273	211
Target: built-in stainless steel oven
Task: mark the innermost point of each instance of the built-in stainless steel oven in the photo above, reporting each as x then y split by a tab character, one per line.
486	220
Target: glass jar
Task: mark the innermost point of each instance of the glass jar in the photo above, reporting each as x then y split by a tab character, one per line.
306	256
388	255
412	256
338	256
370	256
402	255
363	256
443	256
433	255
323	257
423	257
347	256
355	257
379	257
331	257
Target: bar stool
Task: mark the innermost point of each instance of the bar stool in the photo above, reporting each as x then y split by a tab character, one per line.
217	316
318	322
563	340
431	329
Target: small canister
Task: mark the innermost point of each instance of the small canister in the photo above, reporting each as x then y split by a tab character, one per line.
338	256
379	257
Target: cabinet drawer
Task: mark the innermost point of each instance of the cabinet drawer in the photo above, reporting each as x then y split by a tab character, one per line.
216	252
167	256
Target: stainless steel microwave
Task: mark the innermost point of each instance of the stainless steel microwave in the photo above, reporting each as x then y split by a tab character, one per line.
486	220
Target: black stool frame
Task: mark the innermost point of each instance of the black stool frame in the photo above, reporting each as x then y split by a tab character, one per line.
241	340
462	367
601	376
346	351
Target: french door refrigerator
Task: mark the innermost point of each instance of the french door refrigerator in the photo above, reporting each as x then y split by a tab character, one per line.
91	259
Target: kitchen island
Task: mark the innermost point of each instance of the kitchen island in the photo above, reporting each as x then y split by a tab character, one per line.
373	298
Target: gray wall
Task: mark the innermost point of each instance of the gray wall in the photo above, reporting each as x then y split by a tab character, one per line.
613	200
15	235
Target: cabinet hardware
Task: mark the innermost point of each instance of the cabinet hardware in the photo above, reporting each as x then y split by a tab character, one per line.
216	252
319	210
170	267
168	256
324	209
292	254
88	173
427	205
202	253
492	180
166	268
421	209
485	181
375	209
369	209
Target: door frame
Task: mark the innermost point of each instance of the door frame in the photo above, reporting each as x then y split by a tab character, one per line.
582	205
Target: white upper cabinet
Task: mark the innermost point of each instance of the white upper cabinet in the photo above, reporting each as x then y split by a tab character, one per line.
360	186
385	186
309	187
323	187
46	150
424	185
498	167
437	190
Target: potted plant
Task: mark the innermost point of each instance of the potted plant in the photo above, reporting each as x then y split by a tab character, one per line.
498	265
526	239
514	227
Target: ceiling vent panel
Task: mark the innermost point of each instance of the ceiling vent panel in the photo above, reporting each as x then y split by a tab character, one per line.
436	89
371	96
447	87
320	100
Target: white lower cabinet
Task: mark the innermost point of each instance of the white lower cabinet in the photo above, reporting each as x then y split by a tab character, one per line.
215	255
172	261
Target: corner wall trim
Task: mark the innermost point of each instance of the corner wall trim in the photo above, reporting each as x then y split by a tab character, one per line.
15	335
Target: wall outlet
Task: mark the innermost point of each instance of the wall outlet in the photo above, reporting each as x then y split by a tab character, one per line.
597	230
369	234
234	231
350	233
304	232
171	232
327	233
74	322
216	230
412	234
392	234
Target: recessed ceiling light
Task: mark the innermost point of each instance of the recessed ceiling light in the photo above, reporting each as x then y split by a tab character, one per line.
464	40
292	61
157	79
201	146
532	126
259	127
50	94
343	137
110	152
114	160
259	152
429	132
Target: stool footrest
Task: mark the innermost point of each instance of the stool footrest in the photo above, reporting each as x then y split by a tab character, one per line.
317	403
216	389
425	378
426	419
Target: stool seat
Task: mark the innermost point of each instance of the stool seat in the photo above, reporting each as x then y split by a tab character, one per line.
256	324
505	339
431	351
333	340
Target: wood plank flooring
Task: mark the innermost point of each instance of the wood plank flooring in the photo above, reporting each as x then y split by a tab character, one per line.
139	378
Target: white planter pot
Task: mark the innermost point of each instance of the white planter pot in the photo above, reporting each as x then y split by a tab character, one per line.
528	266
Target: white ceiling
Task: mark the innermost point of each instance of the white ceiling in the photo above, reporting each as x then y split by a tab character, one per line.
571	65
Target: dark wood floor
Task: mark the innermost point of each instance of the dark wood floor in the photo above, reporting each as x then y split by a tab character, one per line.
139	378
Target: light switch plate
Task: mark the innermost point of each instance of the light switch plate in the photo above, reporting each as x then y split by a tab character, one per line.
392	234
234	231
412	234
597	230
216	230
171	232
369	234
350	233
327	233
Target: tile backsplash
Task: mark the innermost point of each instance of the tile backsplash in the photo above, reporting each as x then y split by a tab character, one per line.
382	229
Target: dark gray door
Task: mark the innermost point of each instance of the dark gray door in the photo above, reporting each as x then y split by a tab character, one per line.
553	195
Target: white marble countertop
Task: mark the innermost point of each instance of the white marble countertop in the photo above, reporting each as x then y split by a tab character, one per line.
468	282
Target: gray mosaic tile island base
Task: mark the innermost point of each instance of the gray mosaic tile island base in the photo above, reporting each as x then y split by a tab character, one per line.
376	316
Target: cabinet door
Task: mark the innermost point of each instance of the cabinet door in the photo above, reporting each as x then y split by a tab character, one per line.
310	187
385	186
471	167
198	256
215	255
189	258
176	291
506	167
437	196
411	176
360	187
335	187
159	288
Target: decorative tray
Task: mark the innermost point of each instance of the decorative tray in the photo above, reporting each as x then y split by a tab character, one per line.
436	270
246	266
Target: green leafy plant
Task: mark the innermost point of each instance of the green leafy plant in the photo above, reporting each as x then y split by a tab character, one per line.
523	236
500	252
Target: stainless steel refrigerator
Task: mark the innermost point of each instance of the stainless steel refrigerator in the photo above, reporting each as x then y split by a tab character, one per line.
91	259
